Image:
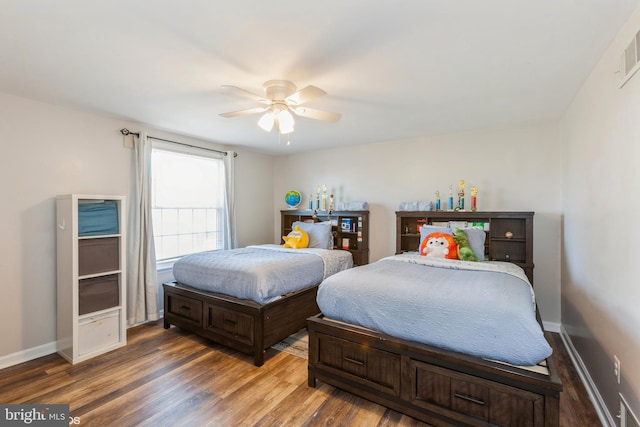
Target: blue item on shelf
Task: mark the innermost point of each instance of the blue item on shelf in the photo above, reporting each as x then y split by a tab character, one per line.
98	218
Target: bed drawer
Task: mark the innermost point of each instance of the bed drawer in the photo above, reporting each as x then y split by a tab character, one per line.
378	368
185	308
229	323
497	404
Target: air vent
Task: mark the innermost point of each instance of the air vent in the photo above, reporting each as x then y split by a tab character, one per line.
630	60
627	418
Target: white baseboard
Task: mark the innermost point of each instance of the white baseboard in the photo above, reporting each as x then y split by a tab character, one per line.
551	326
39	351
28	354
601	409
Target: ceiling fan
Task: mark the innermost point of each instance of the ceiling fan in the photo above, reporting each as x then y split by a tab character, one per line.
280	100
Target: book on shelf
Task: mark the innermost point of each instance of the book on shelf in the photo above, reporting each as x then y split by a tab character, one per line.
481	225
458	224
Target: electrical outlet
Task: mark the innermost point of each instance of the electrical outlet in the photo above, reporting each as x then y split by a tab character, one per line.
616	368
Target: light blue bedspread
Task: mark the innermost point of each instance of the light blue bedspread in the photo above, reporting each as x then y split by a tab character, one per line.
260	273
488	313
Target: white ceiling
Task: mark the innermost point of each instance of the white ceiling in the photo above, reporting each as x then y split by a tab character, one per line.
394	69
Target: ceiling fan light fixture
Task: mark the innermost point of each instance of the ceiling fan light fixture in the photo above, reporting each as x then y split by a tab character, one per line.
285	122
266	121
282	98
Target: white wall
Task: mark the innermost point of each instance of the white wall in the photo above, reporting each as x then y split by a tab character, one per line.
49	150
514	169
601	163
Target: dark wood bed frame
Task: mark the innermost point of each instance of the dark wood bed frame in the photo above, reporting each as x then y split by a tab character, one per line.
439	387
245	325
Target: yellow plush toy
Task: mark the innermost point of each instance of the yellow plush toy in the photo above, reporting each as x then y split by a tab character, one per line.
298	238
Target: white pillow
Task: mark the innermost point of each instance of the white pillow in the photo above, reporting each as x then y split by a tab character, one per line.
319	233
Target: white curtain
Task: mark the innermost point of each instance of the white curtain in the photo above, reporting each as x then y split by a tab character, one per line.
142	287
230	239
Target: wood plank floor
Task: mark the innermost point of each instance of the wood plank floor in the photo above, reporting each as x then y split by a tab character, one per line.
168	378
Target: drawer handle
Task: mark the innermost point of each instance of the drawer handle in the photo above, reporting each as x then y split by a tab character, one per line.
357	362
185	308
232	322
468	399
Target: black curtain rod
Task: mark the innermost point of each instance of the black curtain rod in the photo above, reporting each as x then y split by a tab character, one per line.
126	132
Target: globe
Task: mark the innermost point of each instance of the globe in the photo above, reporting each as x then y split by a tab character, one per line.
293	199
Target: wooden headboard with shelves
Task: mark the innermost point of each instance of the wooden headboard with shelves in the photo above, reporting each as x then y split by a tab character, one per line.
355	237
509	234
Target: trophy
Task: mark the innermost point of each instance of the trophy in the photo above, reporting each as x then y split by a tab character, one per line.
324	197
460	195
474	193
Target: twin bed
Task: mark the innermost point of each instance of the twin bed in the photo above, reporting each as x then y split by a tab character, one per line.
251	298
447	342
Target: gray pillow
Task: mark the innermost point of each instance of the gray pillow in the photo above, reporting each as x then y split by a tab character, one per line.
476	238
319	233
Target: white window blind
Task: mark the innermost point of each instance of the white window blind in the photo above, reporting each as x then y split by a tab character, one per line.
187	200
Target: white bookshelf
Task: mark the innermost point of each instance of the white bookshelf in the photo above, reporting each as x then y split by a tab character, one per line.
91	280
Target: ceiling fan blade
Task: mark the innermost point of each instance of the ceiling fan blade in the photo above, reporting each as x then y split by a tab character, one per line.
317	114
304	95
242	92
244	112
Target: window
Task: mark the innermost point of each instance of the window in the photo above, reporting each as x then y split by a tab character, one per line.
187	187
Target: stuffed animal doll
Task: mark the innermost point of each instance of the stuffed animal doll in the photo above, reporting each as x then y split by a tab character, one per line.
296	239
464	250
439	245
